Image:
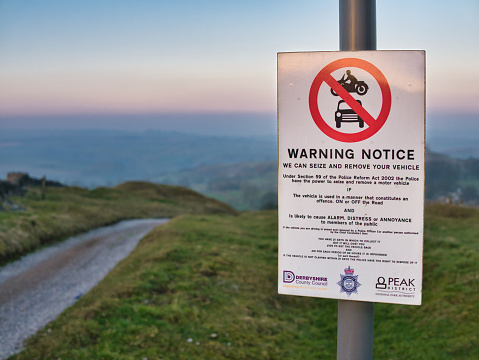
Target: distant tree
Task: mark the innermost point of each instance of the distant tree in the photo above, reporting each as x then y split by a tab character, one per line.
469	193
269	201
250	193
442	177
471	168
184	181
222	184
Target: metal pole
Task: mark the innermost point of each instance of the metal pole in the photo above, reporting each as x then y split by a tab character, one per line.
357	25
357	31
355	330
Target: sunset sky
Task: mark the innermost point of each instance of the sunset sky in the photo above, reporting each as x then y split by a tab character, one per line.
153	56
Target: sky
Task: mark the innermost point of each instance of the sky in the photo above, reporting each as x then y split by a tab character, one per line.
60	57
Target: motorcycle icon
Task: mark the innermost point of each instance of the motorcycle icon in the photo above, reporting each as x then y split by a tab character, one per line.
351	84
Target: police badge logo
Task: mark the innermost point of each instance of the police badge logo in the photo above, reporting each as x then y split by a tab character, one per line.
349	283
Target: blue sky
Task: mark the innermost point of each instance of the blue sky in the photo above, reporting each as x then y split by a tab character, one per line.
145	56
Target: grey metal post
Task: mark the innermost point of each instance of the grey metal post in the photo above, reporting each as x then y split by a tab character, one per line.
355	330
357	25
357	31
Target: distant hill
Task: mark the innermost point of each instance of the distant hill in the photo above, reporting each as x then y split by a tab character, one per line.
93	158
456	135
245	185
451	178
254	185
239	170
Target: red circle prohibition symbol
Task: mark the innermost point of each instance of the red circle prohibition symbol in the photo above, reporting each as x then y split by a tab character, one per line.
373	124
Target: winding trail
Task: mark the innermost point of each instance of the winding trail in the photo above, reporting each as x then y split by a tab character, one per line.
37	288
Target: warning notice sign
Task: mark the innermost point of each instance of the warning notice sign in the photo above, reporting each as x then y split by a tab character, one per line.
351	131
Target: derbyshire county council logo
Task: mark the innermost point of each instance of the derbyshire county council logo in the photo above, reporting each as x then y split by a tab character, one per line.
288	276
349	283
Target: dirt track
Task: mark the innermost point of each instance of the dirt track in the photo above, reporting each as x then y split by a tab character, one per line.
37	288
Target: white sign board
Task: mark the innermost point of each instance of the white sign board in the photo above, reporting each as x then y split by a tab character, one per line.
351	129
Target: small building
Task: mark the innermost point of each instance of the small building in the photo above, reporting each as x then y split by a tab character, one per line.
17	178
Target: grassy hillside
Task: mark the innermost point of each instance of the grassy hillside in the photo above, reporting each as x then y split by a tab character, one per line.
253	185
70	210
205	287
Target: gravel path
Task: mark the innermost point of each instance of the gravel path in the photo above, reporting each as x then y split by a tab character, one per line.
37	288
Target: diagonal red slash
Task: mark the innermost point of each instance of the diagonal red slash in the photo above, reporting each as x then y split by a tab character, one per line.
353	104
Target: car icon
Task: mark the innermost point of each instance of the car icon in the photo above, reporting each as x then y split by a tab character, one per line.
344	113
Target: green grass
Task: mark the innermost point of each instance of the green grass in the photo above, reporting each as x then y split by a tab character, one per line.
71	210
205	287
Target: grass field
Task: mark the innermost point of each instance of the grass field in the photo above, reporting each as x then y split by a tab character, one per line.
205	287
68	211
